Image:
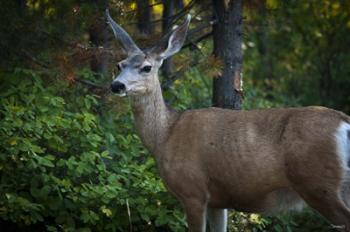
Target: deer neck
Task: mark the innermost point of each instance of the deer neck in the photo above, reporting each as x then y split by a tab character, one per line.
153	118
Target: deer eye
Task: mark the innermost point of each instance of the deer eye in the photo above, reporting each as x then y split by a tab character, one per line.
146	69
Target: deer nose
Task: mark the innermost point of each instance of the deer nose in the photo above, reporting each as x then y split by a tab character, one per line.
117	87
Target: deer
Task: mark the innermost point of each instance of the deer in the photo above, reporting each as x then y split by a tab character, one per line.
212	159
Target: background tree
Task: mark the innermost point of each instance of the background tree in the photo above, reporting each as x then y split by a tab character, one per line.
227	39
144	17
99	38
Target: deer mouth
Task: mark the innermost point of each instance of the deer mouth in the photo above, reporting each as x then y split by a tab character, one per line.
120	93
123	94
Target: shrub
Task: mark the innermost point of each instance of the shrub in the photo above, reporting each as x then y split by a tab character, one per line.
67	168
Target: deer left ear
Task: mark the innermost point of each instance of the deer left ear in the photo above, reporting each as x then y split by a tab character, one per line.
176	40
124	38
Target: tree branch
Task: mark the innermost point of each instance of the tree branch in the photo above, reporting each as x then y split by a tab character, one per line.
150	5
174	17
194	43
168	82
32	58
90	83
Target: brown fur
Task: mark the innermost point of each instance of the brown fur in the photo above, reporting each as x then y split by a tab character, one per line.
253	161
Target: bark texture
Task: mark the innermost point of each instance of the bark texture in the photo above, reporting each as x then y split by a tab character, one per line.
144	17
99	37
227	36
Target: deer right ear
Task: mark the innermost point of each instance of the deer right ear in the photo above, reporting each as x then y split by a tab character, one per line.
174	42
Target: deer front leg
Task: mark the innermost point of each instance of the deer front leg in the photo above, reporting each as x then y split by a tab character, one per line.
196	215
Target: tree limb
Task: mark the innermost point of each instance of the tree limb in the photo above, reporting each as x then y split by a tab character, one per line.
168	82
174	17
90	83
150	5
193	43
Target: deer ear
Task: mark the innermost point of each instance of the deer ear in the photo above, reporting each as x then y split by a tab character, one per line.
124	38
175	41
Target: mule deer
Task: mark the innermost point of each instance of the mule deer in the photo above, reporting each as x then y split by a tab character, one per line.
260	161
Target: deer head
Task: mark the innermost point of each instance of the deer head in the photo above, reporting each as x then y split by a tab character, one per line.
138	73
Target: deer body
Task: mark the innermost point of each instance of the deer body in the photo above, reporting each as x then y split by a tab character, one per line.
241	159
254	161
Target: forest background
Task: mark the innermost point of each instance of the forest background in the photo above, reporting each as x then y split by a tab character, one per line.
69	156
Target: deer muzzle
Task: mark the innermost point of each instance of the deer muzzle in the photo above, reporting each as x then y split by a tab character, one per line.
118	88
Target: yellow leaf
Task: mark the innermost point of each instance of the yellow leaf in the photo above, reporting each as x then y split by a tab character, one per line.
106	211
336	5
272	4
13	142
157	8
133	6
254	218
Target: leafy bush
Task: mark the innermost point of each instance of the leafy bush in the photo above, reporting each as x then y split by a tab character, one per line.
67	169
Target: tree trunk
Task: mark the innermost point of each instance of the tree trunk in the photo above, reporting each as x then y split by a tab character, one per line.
144	16
227	36
179	4
99	37
168	11
21	5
